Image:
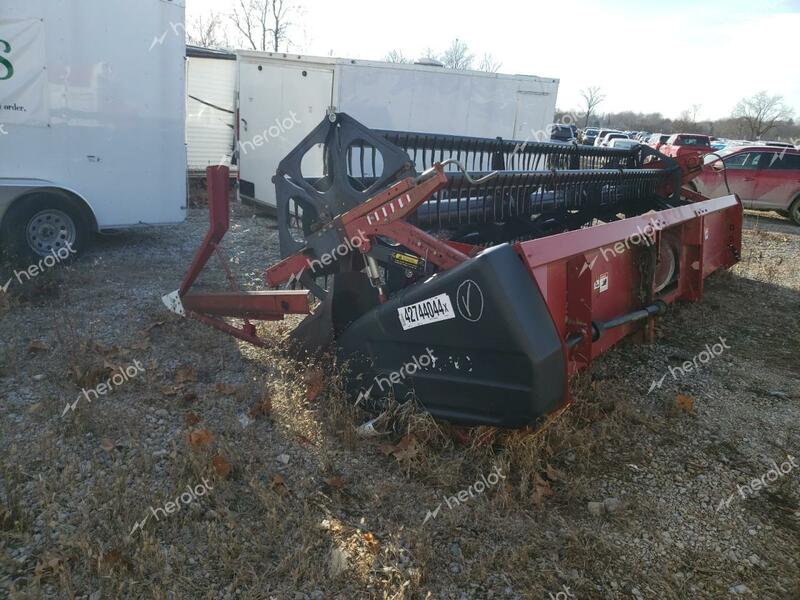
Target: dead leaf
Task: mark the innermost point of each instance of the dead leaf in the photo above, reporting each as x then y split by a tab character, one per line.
111	366
89	377
191	419
387	449
371	542
278	484
262	408
336	482
185	374
315	383
684	403
486	436
221	466
37	346
48	563
406	448
226	389
461	435
200	438
541	489
99	348
110	558
553	474
107	444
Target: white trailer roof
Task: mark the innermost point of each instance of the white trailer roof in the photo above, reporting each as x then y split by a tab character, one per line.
256	56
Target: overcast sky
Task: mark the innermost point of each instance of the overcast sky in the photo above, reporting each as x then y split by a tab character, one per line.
647	56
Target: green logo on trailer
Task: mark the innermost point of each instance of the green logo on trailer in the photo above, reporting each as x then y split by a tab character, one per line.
5	62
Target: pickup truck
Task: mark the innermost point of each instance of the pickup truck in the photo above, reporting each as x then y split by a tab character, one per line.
679	144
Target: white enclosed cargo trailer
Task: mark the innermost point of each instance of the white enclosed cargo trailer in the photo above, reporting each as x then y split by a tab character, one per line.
92	107
210	108
281	98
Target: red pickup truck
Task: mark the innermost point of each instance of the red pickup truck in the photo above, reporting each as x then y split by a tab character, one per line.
764	178
685	143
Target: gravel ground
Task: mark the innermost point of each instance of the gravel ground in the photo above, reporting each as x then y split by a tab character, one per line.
633	491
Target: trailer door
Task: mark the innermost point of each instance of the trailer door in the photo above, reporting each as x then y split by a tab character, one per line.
279	104
534	113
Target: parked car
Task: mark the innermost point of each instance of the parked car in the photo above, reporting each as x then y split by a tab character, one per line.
685	143
740	143
764	178
613	136
560	133
602	134
657	140
719	144
589	135
778	144
624	143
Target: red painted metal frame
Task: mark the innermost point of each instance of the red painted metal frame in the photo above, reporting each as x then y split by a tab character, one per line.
209	308
586	276
383	216
601	272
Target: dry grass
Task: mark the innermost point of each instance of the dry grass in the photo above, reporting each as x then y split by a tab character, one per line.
272	527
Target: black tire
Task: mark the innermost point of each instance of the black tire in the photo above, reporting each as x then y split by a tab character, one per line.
794	211
43	225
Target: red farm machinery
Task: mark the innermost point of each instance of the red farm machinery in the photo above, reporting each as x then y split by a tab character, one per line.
478	274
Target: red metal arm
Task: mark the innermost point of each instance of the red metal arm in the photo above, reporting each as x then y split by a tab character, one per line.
383	215
209	308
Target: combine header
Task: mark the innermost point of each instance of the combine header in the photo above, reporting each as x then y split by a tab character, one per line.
477	274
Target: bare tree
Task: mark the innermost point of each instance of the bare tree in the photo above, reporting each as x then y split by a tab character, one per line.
248	17
280	23
759	113
489	64
592	97
396	56
264	24
687	119
457	56
728	127
430	54
207	32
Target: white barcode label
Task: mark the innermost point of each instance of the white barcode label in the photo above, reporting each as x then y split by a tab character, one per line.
426	312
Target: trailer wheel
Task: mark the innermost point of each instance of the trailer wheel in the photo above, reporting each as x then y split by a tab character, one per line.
43	225
794	211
